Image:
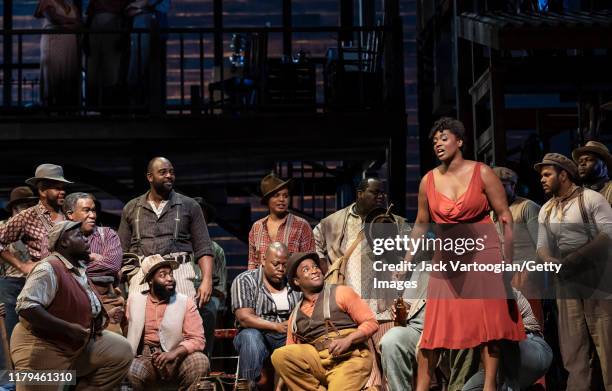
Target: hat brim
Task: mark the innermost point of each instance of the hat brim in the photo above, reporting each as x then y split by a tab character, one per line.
538	168
9	206
169	262
34	180
266	197
607	158
292	273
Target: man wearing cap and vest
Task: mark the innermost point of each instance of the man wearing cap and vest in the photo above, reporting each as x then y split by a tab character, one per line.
167	223
165	331
105	256
32	225
594	164
341	241
524	239
279	225
61	325
575	227
327	333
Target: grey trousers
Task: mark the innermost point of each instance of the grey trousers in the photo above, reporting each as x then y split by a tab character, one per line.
534	359
398	353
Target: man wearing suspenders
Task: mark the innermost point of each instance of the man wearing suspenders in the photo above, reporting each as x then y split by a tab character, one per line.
167	223
575	227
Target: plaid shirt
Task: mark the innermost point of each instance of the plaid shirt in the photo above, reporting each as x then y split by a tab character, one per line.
294	232
105	241
31	226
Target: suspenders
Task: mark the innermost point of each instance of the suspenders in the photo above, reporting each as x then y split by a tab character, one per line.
177	222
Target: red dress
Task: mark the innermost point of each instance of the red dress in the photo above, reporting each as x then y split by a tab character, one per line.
453	321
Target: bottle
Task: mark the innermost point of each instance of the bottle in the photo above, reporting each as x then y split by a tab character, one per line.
401	313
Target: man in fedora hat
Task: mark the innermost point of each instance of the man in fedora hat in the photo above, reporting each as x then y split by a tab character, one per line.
327	333
279	225
575	227
165	331
32	225
164	222
61	323
594	164
341	243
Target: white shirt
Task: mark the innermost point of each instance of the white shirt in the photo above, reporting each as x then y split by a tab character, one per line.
281	299
158	210
566	231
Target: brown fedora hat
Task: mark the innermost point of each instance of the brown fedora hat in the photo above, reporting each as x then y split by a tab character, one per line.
596	148
49	172
270	184
20	195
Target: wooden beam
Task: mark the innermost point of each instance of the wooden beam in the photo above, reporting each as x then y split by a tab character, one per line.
481	87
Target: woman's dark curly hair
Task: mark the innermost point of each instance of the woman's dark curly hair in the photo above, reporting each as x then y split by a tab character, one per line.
447	123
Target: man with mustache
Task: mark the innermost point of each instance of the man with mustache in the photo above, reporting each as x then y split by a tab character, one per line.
575	230
165	331
33	224
170	224
61	324
279	225
105	256
594	164
327	333
262	302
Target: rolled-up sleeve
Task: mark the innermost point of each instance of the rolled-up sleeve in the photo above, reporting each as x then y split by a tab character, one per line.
39	289
201	242
350	302
193	331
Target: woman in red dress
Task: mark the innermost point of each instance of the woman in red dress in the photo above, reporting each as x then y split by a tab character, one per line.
465	309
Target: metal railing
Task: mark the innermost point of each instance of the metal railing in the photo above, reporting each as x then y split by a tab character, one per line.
174	71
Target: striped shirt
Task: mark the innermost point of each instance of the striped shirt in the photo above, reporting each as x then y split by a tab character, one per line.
31	226
249	291
143	233
294	232
529	320
105	241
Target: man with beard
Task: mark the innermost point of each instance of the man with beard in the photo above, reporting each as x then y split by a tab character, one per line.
61	323
279	225
33	224
327	333
262	302
594	164
167	223
105	256
165	331
341	236
575	227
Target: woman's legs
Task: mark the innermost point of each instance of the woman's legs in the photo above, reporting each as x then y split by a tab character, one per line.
427	360
490	362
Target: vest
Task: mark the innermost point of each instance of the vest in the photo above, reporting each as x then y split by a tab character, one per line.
71	302
170	328
314	327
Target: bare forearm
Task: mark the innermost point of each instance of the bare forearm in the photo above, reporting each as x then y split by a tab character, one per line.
9	258
255	322
206	267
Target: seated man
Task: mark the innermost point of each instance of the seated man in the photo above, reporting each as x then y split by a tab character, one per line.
61	319
522	367
165	331
327	333
262	302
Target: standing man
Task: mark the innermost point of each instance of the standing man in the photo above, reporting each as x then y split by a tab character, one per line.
165	331
524	239
32	225
575	227
61	323
594	164
278	226
327	333
262	302
167	223
341	236
105	256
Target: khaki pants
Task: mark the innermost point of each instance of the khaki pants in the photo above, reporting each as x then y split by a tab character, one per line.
100	365
581	321
303	368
